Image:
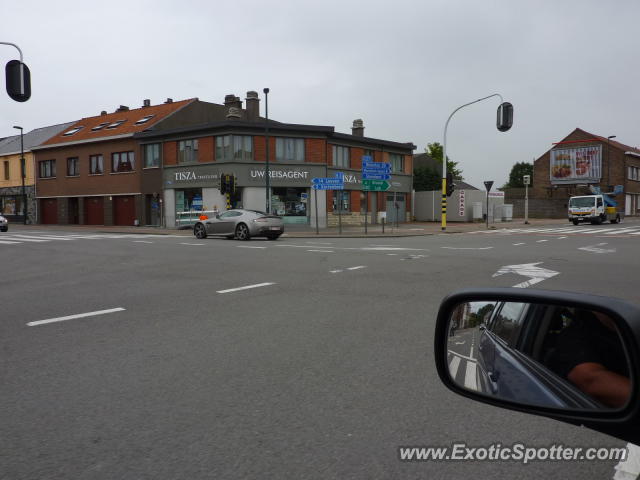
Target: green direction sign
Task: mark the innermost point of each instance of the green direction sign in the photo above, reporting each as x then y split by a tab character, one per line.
375	185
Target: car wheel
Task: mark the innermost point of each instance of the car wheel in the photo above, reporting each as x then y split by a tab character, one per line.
273	237
242	232
576	222
614	220
5	229
200	231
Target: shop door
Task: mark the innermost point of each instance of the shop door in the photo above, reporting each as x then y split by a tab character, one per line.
74	211
124	210
49	211
94	211
152	210
396	208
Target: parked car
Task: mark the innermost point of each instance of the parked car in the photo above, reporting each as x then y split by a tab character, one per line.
4	224
240	224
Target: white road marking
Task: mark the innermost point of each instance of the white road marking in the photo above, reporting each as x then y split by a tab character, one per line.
521	243
72	317
10	238
540	241
357	268
416	229
453	366
561	238
247	287
536	274
392	254
470	376
380	249
624	230
467	248
335	271
141	241
9	243
321	251
248	246
374	245
596	248
320	243
41	237
183	243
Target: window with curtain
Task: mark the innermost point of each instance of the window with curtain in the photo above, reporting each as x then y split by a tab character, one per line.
152	155
397	162
340	156
290	149
187	151
234	148
122	162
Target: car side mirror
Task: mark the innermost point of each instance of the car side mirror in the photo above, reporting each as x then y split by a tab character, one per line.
567	356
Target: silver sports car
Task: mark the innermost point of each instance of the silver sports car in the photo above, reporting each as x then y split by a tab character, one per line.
240	224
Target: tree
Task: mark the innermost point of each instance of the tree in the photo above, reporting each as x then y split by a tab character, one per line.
427	178
435	151
519	170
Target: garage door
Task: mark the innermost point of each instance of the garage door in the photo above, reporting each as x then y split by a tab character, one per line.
124	210
94	211
49	211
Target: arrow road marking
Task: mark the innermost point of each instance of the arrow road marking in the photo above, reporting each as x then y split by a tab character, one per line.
596	248
536	274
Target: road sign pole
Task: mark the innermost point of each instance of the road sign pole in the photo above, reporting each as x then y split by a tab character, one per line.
317	226
487	209
340	199
526	204
366	210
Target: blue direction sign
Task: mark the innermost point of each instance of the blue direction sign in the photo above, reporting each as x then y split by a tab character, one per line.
371	176
376	170
329	183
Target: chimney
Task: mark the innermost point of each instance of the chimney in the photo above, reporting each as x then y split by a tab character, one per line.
253	106
122	108
232	101
169	100
234	113
358	128
103	112
146	102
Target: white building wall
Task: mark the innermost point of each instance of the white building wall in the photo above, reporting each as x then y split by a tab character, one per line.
253	198
169	207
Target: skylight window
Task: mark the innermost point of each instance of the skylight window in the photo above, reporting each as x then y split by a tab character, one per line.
144	119
116	124
72	131
99	127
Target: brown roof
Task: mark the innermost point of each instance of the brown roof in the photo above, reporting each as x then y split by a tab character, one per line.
127	127
613	143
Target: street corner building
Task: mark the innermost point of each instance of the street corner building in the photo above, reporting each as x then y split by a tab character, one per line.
283	158
581	164
161	165
17	177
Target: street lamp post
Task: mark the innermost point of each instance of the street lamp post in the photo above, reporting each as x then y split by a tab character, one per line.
266	137
609	161
23	174
444	158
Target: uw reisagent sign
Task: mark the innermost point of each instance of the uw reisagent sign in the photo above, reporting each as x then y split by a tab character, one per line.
576	165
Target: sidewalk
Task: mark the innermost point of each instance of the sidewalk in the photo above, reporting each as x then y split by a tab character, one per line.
306	231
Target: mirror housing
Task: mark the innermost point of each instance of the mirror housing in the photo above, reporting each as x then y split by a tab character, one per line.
622	423
18	78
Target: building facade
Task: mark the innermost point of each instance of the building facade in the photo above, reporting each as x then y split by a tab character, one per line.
16	201
578	163
95	173
195	158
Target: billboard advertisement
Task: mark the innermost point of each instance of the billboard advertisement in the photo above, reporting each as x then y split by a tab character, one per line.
576	165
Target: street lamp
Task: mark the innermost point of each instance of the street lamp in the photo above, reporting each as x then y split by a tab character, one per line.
609	161
504	122
266	137
23	174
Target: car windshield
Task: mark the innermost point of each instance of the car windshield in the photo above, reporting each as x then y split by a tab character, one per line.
582	202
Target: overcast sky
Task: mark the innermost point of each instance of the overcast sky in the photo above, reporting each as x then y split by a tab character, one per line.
401	66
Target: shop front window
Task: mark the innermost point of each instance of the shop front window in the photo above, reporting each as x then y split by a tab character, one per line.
289	202
341	198
11	205
189	200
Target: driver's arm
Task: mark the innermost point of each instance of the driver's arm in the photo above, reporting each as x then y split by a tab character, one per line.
595	380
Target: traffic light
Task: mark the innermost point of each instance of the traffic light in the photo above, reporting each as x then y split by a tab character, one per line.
504	120
450	185
223	184
18	79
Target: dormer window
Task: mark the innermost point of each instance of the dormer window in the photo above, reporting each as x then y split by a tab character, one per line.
99	127
144	119
115	124
72	131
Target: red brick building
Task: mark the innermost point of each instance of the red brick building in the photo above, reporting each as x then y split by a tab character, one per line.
578	162
194	158
96	173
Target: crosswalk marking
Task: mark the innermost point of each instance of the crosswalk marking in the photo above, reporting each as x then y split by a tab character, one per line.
35	237
609	231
